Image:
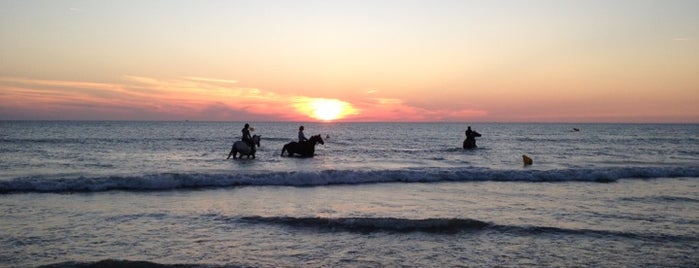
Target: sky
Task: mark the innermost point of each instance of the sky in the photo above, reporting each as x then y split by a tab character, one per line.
366	61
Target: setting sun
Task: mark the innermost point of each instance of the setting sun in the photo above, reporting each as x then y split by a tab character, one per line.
325	109
351	61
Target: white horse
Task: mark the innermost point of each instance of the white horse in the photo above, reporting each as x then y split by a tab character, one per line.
243	148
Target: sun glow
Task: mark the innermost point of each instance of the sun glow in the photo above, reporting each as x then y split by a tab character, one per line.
325	109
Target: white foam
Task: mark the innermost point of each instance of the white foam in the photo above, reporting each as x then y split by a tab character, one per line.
169	181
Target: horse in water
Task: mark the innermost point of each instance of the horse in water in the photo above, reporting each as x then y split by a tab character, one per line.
470	141
244	149
305	149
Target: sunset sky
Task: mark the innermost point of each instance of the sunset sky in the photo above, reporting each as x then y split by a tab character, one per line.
433	61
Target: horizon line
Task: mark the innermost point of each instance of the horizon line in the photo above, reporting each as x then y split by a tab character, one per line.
352	122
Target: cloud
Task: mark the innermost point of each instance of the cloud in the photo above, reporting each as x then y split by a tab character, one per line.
195	98
153	98
214	80
397	110
139	97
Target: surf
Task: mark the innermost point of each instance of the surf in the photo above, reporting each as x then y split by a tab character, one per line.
184	181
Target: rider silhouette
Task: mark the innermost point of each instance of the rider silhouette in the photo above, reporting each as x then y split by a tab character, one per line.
470	141
302	137
246	136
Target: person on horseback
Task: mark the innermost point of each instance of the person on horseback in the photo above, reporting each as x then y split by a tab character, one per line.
246	136
470	142
246	146
302	137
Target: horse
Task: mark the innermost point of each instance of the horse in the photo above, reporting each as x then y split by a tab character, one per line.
305	149
470	141
244	149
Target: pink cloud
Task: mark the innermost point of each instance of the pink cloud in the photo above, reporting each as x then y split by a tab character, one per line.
191	98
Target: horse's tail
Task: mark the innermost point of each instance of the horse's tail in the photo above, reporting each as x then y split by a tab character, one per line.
284	149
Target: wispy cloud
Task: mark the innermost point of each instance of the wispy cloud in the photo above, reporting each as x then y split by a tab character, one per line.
394	109
159	98
214	80
195	98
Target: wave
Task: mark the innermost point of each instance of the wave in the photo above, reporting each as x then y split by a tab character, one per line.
367	225
662	198
127	263
444	226
171	181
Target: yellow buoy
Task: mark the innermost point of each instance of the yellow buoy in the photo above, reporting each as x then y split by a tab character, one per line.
527	160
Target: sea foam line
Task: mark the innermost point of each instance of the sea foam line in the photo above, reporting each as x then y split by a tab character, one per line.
171	181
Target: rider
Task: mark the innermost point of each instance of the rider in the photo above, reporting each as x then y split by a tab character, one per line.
246	136
302	137
470	141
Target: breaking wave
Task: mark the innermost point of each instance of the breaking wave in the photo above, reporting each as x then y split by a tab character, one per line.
171	181
445	226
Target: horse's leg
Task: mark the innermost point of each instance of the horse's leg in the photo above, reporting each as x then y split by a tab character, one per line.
229	154
235	154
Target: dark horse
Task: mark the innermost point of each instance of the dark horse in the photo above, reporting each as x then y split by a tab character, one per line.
305	149
470	141
244	149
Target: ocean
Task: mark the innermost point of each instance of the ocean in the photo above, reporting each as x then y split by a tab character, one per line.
80	193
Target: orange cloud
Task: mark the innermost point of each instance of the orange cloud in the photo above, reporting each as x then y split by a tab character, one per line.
391	109
137	98
195	98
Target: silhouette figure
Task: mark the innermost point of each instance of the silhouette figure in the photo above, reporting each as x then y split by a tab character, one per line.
470	142
302	137
246	136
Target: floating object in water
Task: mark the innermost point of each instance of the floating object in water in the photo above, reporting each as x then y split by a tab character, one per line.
527	160
576	129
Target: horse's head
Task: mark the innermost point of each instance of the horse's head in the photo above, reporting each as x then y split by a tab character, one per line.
256	140
316	139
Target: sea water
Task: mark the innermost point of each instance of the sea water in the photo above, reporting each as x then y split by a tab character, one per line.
374	194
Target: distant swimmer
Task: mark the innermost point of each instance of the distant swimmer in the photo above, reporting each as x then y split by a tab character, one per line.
576	129
470	142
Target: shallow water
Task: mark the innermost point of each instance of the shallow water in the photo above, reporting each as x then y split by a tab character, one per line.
609	195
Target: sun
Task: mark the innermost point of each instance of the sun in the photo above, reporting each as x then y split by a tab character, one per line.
325	109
